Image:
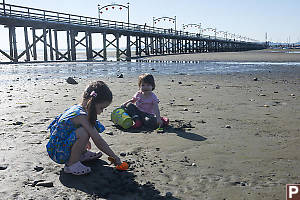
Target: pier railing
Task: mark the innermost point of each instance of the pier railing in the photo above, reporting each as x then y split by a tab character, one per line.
8	10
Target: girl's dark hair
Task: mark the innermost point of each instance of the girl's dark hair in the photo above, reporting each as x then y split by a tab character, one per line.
146	78
96	92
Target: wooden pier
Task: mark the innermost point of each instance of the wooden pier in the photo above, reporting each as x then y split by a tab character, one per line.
140	40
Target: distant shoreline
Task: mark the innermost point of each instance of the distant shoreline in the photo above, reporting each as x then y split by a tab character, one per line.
266	55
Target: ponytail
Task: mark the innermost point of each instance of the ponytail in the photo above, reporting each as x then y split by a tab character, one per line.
96	92
91	109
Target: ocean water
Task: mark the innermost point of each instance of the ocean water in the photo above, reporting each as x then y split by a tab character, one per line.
31	71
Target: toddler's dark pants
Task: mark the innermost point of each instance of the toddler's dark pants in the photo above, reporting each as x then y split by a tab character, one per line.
149	120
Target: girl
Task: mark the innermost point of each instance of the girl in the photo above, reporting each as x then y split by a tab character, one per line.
71	130
145	110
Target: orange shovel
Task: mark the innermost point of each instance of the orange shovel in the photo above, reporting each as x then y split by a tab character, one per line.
122	167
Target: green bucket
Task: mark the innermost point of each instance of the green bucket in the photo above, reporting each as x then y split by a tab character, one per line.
121	118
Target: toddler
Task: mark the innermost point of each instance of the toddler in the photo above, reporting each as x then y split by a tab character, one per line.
143	107
70	131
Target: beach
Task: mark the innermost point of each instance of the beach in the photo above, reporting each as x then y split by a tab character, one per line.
231	136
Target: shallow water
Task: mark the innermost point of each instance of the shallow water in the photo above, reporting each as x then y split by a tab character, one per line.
293	52
99	69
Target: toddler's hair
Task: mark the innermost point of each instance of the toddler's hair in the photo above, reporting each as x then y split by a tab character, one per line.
146	78
96	92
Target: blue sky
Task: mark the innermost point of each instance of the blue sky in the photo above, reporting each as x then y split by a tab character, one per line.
249	18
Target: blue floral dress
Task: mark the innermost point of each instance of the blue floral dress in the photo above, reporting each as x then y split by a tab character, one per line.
63	136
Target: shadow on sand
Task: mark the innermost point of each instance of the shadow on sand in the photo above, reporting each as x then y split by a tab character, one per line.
178	126
190	136
181	132
106	182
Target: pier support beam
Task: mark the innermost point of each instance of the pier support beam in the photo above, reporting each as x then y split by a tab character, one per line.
11	47
146	46
50	43
128	49
118	46
87	45
73	49
56	45
13	43
68	46
156	45
26	44
45	44
161	46
34	44
151	46
140	46
90	46
136	45
104	47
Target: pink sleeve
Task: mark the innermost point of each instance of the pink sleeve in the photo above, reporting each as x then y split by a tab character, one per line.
135	97
155	99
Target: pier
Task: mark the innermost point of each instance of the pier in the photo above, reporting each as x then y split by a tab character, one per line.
42	27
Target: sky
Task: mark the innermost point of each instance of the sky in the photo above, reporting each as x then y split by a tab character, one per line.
249	18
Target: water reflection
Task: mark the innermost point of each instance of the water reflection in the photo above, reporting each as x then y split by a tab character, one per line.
85	70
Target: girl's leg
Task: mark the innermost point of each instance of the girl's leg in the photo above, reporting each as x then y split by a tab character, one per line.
150	121
79	147
135	114
132	110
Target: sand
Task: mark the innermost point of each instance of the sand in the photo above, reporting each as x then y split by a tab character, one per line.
230	137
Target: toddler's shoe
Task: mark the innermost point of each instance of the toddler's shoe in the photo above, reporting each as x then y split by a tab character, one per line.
137	124
165	121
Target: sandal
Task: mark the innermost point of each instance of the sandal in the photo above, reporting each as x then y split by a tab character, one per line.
88	155
77	169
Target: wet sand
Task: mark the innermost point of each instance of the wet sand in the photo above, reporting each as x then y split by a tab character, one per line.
232	136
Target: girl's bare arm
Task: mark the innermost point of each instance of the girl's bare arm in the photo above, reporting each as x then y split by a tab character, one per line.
97	139
129	101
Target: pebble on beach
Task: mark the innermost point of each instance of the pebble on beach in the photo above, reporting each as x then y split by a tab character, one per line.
122	154
45	184
109	133
37	168
71	80
3	167
18	123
